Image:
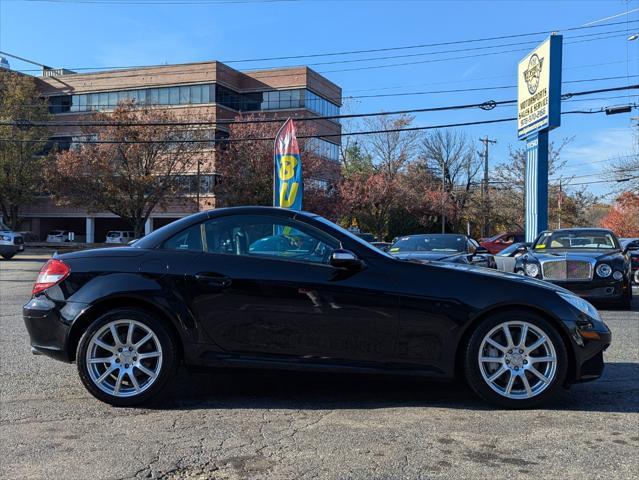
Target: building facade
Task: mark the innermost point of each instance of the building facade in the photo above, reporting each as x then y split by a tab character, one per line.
209	91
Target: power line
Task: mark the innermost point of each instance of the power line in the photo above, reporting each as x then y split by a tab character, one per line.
385	95
605	36
343	134
487	105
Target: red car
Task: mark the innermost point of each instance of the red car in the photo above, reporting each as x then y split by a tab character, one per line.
497	243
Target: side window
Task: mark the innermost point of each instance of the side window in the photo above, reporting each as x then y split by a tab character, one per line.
262	236
189	239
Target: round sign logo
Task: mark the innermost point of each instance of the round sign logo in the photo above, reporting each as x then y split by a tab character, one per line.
533	73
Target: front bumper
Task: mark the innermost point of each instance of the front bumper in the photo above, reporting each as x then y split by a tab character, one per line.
10	248
49	325
596	290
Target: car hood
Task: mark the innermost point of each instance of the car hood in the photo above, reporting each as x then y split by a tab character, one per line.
555	254
430	256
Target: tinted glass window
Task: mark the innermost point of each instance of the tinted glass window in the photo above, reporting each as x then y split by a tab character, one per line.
430	243
262	236
189	239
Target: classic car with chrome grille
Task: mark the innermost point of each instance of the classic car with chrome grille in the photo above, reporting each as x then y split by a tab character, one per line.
588	261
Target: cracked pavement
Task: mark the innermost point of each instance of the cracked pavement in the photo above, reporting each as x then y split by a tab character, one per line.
220	425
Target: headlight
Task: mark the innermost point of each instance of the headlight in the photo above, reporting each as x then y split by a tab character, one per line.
5	238
580	304
532	269
617	275
604	270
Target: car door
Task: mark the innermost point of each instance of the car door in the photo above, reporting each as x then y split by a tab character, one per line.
264	287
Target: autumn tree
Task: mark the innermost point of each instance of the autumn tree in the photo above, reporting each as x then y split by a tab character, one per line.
245	163
623	217
450	155
508	190
22	144
372	178
130	164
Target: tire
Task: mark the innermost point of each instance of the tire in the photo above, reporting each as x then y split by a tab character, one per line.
8	256
484	378
626	301
636	277
123	379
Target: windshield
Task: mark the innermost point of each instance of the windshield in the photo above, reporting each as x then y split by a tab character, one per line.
113	234
430	243
577	240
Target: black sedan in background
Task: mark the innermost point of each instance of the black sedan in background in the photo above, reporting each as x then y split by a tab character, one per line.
588	261
442	247
632	246
273	288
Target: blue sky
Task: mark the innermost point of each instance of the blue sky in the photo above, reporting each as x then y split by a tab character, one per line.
70	33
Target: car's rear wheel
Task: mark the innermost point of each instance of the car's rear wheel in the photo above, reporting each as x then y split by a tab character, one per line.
515	360
126	357
8	256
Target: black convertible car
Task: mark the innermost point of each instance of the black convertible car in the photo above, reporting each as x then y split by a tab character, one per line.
442	247
274	288
588	261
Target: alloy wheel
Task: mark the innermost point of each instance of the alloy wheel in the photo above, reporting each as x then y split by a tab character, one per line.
517	360
124	358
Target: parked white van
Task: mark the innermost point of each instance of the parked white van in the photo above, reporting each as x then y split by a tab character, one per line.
10	242
119	236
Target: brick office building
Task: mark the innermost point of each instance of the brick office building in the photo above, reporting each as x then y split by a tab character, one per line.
199	91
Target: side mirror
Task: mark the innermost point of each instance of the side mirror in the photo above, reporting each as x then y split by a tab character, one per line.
481	250
521	249
345	259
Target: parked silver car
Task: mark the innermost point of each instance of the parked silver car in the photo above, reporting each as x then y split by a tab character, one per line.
10	242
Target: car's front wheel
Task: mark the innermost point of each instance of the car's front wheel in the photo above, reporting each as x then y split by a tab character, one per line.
8	256
126	357
515	360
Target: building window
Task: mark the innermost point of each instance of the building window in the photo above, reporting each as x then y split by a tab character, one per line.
197	94
60	104
323	148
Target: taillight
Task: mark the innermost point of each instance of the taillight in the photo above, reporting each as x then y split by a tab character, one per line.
51	273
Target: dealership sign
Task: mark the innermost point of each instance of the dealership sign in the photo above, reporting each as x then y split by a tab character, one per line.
539	88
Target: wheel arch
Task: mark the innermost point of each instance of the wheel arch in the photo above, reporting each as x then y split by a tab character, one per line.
85	319
470	328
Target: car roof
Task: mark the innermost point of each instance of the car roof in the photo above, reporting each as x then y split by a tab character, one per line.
185	222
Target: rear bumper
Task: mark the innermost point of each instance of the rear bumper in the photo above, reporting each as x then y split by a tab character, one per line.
49	326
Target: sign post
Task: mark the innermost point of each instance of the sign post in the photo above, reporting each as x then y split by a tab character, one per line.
539	111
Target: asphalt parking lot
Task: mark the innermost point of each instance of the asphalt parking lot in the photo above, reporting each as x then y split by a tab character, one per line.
285	426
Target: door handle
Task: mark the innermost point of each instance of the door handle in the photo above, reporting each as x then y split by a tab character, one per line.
213	279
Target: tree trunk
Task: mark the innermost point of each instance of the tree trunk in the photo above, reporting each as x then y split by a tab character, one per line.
14	223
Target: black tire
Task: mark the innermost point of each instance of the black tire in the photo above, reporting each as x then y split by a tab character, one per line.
8	256
167	369
626	300
481	387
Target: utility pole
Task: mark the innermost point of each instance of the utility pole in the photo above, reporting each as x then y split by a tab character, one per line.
443	196
484	191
